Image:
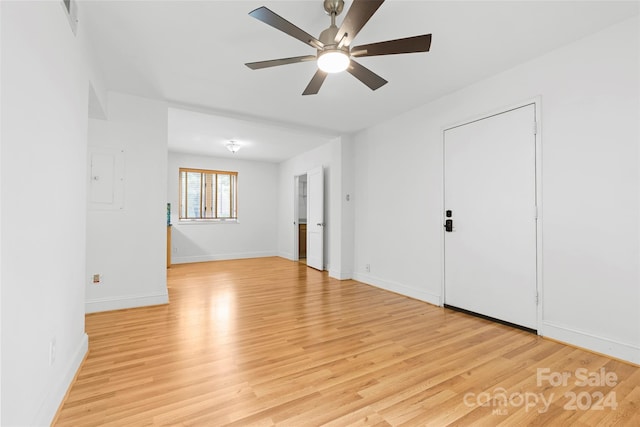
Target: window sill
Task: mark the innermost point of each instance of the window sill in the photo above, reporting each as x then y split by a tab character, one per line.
206	221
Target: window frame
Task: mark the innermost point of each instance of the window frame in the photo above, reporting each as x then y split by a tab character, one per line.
209	199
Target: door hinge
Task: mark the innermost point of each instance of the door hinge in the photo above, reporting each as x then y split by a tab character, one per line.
537	298
535	128
535	212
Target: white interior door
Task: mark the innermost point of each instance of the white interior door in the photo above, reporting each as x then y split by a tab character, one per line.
490	191
315	218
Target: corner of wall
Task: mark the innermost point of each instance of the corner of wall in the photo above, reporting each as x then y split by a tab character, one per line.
127	245
56	395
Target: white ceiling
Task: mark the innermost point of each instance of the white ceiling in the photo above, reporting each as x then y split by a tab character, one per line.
192	54
196	132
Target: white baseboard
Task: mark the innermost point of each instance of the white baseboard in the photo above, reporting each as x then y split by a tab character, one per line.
589	341
286	255
340	275
56	394
127	301
220	257
398	288
620	350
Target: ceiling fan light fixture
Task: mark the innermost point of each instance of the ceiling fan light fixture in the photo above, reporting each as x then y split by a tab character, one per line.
333	46
333	61
233	147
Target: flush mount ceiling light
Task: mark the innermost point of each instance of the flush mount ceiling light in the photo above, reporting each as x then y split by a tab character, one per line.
233	147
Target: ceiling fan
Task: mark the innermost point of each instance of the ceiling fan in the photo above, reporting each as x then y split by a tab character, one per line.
334	52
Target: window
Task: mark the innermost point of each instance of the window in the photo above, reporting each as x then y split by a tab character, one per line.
207	194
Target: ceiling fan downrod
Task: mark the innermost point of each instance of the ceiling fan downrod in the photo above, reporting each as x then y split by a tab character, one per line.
333	8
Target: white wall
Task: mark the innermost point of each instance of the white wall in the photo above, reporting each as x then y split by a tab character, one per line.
335	157
590	176
345	201
287	222
97	86
127	247
254	235
341	210
1	118
266	209
44	131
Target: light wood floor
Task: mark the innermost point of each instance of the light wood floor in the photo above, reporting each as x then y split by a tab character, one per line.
271	342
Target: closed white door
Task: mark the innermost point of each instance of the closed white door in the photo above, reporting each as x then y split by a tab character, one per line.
490	201
315	218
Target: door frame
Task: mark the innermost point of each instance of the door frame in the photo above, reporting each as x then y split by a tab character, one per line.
296	231
536	101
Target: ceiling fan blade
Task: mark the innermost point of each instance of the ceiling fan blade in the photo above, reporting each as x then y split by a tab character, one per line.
316	82
365	75
392	47
276	21
358	15
283	61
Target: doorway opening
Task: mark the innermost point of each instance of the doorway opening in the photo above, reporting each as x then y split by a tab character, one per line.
301	218
308	218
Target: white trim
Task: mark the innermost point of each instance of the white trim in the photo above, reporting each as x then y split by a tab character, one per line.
590	341
296	219
398	288
496	111
128	301
221	257
536	102
340	275
539	214
53	399
286	255
205	221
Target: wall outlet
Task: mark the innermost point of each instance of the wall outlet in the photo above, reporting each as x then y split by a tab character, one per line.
52	351
367	268
96	279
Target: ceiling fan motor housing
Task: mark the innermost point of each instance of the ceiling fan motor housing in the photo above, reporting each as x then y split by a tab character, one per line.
328	36
333	6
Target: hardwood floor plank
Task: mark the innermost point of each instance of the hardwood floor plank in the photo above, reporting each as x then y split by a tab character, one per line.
267	341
